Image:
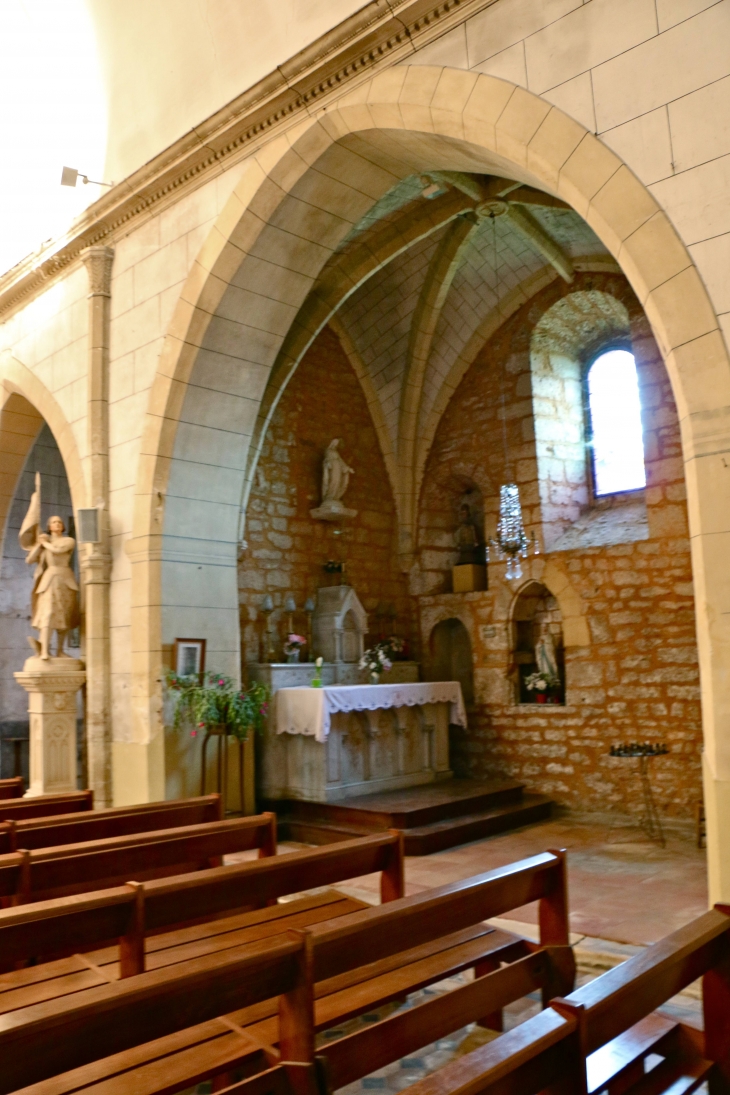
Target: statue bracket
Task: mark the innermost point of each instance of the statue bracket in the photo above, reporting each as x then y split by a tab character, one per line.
332	510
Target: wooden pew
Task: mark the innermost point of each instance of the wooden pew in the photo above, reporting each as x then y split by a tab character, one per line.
331	954
98	864
598	1039
619	1026
12	788
60	829
46	805
131	912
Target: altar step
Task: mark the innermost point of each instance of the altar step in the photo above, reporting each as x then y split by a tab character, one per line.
433	817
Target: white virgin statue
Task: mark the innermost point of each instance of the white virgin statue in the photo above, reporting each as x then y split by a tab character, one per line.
335	474
55	594
335	478
545	656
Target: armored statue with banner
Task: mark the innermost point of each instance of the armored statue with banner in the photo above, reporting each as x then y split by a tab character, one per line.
55	594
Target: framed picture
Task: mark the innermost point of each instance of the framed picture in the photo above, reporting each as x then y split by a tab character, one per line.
189	656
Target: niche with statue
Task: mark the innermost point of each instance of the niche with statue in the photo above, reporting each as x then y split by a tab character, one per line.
538	655
469	572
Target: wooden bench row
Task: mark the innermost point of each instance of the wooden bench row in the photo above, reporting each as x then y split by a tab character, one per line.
58	829
98	864
128	914
282	990
12	788
603	1036
71	802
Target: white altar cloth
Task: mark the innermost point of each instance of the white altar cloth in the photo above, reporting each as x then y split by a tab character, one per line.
308	710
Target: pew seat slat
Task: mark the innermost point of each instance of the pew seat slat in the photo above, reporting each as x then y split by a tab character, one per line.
27	987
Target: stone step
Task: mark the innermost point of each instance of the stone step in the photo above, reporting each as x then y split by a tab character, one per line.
321	828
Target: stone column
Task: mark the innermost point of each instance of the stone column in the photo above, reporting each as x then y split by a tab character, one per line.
52	686
95	564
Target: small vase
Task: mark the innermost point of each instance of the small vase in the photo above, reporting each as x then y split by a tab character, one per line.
541	697
375	678
293	657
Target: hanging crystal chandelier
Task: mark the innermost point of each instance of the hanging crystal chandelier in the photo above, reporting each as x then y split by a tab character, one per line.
512	543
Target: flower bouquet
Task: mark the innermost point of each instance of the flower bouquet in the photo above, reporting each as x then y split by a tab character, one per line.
293	647
379	658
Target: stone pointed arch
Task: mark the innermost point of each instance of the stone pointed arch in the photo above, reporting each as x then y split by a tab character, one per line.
297	199
25	403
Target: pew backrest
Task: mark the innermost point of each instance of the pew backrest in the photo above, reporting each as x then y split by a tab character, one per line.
372	934
52	832
620	998
52	1037
46	805
87	921
11	788
98	864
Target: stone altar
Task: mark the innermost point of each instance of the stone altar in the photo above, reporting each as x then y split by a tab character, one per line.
358	740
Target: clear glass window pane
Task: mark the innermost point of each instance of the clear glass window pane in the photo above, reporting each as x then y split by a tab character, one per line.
618	445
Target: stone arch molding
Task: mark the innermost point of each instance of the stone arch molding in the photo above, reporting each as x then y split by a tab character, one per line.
296	200
25	403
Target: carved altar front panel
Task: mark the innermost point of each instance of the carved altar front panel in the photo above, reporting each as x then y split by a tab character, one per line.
364	753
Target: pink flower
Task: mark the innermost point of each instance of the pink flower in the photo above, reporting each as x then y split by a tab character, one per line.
201	725
193	733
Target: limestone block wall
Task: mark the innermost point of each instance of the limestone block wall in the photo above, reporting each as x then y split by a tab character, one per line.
624	588
286	548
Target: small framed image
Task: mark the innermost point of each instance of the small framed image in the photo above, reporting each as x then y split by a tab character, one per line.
189	657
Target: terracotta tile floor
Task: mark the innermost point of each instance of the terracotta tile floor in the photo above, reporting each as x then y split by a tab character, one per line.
621	886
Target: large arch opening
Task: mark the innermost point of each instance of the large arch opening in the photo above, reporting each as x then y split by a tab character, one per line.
27	447
291	211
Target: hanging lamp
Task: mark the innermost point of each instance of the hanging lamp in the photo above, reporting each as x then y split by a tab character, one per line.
511	542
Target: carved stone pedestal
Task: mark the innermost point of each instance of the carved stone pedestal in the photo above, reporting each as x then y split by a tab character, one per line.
52	686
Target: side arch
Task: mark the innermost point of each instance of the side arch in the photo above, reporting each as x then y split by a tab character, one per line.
25	403
299	197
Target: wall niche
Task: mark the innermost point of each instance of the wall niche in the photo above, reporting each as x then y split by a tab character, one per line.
537	630
450	656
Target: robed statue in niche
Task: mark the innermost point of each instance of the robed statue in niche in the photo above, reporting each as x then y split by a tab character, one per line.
55	594
467	538
545	654
335	478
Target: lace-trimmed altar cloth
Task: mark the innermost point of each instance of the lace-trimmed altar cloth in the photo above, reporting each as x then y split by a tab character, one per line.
308	710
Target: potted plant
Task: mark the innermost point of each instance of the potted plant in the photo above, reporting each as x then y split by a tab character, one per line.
212	701
541	684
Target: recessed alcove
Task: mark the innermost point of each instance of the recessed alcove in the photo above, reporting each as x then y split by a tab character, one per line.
450	656
536	617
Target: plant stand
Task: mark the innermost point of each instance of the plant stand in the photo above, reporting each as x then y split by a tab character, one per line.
221	733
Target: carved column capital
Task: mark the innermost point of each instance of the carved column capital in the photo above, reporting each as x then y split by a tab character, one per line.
98	262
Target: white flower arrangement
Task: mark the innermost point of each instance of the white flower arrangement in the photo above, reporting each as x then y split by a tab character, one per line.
540	682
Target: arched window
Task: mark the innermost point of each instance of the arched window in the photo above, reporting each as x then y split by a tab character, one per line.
615	418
